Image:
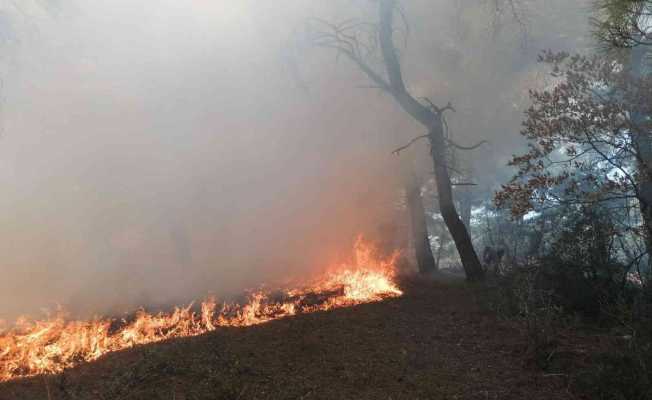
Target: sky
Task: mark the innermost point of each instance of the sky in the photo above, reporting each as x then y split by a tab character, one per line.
153	152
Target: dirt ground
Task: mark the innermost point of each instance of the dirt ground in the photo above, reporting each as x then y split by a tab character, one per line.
435	342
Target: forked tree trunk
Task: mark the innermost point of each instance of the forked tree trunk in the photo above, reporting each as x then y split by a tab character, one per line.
420	239
432	120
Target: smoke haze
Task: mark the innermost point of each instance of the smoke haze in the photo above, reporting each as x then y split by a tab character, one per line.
156	151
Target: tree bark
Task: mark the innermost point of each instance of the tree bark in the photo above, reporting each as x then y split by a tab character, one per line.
423	251
458	231
643	147
432	120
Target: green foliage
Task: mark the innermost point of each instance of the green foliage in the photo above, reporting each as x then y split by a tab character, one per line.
580	268
580	275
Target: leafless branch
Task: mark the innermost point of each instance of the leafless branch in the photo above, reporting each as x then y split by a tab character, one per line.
473	147
345	39
410	143
438	110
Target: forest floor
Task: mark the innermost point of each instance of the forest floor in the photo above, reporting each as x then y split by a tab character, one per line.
435	342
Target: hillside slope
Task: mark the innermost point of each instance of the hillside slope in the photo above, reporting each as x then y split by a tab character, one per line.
435	342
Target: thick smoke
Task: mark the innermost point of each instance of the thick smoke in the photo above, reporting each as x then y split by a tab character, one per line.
156	151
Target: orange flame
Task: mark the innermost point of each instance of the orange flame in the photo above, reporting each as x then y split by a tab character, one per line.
50	346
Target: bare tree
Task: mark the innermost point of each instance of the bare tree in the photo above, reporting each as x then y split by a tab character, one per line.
358	41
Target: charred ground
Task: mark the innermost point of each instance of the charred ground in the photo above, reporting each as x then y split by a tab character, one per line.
413	347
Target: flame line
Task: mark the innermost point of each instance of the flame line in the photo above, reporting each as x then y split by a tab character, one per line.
35	347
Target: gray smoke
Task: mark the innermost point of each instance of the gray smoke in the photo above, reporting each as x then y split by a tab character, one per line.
156	151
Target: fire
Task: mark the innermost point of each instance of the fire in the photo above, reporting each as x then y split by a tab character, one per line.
34	347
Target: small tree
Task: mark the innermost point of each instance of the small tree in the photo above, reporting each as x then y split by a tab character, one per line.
587	143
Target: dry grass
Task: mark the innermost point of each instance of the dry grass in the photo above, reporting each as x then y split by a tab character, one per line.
436	342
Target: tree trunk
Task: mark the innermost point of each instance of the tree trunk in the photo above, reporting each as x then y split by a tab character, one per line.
456	227
643	146
535	240
420	239
432	120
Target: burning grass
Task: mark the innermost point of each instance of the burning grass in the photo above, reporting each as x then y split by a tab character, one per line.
49	346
